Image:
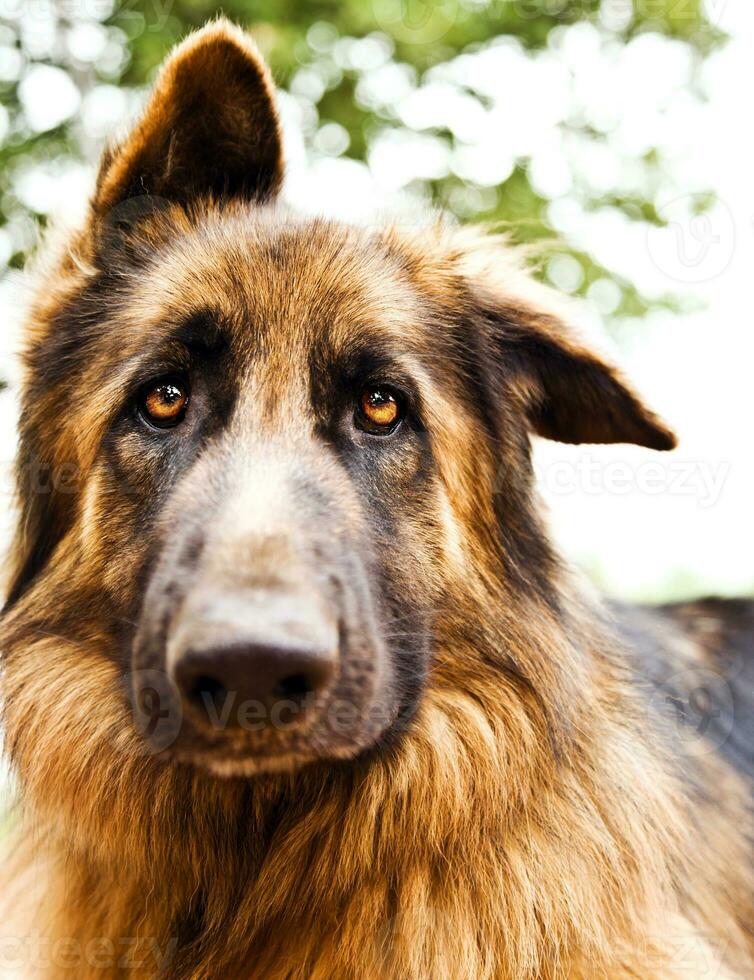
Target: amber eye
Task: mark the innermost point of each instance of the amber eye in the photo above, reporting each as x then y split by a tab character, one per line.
163	403
379	410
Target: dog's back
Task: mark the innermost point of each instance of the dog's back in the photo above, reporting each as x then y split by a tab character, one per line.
696	660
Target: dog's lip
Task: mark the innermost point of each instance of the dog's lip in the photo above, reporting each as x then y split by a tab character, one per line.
260	763
245	766
243	759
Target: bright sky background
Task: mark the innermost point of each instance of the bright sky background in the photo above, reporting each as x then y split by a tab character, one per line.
646	525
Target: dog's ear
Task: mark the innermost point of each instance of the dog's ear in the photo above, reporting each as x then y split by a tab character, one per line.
210	127
567	392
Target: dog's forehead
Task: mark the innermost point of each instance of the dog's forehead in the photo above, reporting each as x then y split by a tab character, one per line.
288	298
285	283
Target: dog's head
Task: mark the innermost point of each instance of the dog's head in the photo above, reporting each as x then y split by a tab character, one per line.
276	462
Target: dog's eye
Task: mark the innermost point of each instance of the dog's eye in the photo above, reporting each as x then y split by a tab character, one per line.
163	403
380	410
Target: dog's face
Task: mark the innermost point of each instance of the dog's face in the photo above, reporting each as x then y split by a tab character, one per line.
296	451
267	479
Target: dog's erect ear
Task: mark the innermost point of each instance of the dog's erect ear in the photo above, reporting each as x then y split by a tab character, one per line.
210	127
568	393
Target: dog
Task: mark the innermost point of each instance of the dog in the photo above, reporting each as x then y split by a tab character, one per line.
295	683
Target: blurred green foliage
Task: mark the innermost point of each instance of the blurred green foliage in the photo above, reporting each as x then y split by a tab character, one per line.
313	42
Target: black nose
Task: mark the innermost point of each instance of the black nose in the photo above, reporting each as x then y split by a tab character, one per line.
252	685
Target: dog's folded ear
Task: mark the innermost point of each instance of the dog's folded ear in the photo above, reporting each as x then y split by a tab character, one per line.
567	392
210	128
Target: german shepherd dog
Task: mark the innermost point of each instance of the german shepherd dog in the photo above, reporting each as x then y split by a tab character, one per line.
295	685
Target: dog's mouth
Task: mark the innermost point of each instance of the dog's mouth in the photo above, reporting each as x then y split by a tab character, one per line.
220	731
229	765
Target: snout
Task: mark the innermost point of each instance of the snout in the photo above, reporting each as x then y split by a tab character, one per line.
260	645
253	659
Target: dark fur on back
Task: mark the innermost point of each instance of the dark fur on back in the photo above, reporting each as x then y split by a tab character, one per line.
696	660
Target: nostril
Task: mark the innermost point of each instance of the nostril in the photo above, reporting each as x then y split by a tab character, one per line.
295	687
206	691
249	685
